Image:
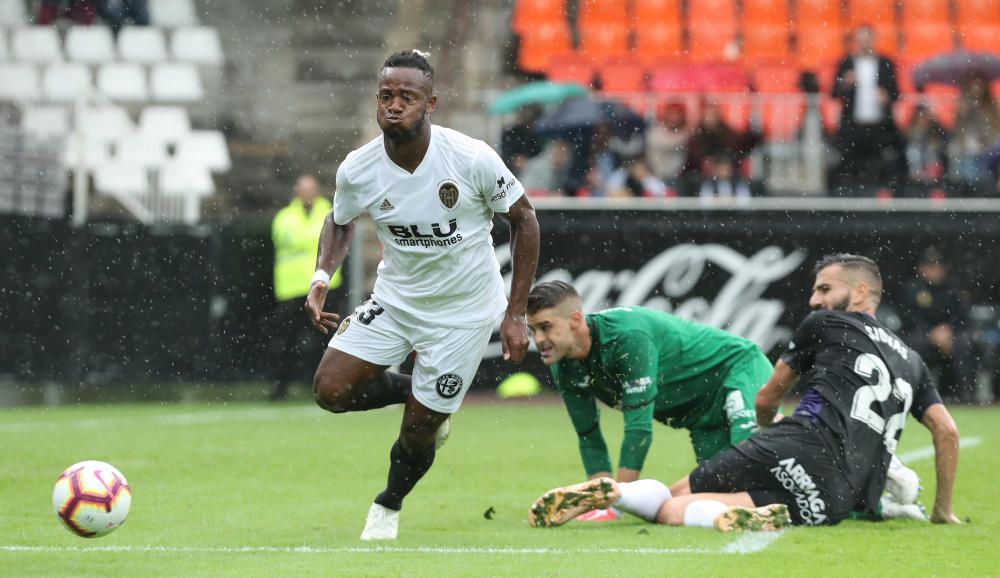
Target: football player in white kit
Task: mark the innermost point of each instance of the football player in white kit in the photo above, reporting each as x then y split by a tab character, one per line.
432	193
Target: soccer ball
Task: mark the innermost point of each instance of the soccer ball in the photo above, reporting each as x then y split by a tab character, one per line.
91	498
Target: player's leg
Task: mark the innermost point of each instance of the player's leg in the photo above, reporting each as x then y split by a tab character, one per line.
741	387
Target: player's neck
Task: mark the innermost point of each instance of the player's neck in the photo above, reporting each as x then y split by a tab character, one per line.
408	153
583	343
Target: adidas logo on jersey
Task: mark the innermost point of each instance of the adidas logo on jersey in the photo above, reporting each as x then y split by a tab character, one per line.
385	206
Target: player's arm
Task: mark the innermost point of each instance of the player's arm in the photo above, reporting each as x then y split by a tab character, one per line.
946	441
782	380
639	370
586	420
334	241
524	244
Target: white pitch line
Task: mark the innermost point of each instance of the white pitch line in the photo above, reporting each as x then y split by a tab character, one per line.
751	542
191	418
928	451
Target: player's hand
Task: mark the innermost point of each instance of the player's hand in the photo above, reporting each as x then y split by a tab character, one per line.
324	322
514	337
939	516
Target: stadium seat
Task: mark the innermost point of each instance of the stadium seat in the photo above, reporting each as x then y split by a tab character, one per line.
118	178
602	12
977	12
571	67
776	79
764	42
734	109
656	42
90	44
708	12
105	123
200	45
66	82
37	44
622	76
45	121
18	82
662	12
980	37
135	149
176	83
765	12
164	124
712	42
927	39
13	13
886	39
874	12
814	12
142	45
601	41
88	153
816	47
172	13
925	11
204	148
123	82
782	116
540	42
179	179
529	13
723	78
673	78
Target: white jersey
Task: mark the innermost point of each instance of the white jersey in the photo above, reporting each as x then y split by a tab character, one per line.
438	263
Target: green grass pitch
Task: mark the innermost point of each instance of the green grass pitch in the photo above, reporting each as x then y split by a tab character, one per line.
258	490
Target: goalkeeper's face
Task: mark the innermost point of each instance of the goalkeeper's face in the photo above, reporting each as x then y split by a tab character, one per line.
556	332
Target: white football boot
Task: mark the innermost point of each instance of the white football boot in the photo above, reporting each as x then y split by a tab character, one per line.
382	524
902	483
894	510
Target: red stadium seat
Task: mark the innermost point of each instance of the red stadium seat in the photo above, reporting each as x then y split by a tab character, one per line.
923	11
723	78
712	42
623	76
709	12
570	67
874	12
656	42
980	37
602	41
602	12
814	12
776	79
675	78
646	12
735	110
767	12
765	42
927	39
540	42
886	36
782	116
528	13
816	47
829	110
977	12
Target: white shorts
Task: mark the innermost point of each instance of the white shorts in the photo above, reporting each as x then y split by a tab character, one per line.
447	358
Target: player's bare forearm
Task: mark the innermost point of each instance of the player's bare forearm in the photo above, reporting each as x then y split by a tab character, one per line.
769	397
946	444
334	241
524	244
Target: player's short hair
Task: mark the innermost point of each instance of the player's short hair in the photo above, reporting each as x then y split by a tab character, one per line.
856	264
411	58
549	294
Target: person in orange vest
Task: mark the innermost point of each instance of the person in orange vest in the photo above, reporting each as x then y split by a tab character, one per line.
295	232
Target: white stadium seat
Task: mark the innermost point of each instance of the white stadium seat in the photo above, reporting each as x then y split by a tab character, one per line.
204	148
18	82
66	82
176	83
12	13
142	44
121	178
123	82
164	124
199	45
46	121
133	149
105	124
36	44
182	179
172	13
89	152
90	44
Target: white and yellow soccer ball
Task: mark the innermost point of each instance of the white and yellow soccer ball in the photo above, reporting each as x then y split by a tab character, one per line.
91	499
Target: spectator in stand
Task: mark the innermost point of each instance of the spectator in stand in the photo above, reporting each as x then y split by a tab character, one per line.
926	151
519	143
115	13
666	143
976	131
712	142
79	11
724	181
634	179
548	172
869	142
936	322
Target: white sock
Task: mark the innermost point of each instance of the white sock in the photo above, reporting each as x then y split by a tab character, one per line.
702	513
642	498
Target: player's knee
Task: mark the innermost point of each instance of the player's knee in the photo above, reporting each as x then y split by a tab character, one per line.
330	393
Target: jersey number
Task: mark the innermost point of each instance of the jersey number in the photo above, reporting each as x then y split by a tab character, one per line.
368	312
866	365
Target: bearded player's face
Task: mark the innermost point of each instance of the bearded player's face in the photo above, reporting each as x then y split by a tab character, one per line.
553	334
404	101
831	291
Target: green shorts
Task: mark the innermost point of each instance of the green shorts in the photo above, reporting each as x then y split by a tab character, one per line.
736	414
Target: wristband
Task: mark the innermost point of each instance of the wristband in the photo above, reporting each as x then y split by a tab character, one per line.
320	276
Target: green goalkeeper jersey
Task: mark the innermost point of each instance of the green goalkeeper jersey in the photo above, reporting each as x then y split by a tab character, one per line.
652	366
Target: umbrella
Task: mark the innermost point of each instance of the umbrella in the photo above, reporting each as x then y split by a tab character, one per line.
956	67
580	113
543	92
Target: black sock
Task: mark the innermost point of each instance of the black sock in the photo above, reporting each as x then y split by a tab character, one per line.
388	389
405	470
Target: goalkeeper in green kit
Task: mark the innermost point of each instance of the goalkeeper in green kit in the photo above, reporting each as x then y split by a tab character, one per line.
650	365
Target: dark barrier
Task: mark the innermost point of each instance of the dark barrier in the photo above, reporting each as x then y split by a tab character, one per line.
749	271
